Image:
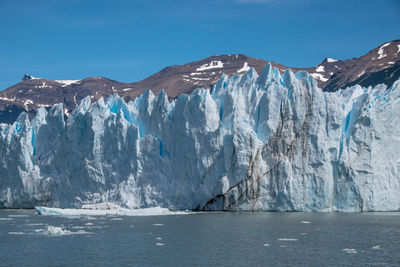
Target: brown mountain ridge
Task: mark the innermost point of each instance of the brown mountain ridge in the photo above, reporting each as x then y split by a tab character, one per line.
380	65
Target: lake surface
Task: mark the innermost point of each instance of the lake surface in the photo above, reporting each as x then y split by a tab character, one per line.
203	239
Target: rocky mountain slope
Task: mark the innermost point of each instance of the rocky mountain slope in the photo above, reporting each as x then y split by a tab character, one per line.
380	65
268	142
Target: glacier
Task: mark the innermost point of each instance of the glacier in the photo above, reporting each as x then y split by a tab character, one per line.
268	142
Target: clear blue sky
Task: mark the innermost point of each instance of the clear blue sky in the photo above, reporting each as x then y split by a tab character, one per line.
130	40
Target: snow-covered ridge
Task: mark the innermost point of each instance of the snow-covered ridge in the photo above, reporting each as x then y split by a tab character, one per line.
330	60
268	142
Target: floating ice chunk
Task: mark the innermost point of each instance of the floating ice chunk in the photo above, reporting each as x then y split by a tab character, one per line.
287	239
16	233
114	211
54	230
159	238
34	224
78	227
89	224
160	244
376	247
266	245
158	224
101	206
349	250
305	222
58	231
116	219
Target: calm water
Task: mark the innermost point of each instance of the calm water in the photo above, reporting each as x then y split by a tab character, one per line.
207	239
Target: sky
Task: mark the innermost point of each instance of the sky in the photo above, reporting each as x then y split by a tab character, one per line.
130	40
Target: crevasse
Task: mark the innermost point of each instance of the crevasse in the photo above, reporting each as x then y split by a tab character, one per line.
269	142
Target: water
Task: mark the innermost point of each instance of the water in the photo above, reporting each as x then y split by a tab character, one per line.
205	239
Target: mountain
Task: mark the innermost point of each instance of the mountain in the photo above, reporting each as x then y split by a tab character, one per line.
378	66
365	68
268	142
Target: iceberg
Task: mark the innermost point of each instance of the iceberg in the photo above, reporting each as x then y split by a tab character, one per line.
116	211
269	142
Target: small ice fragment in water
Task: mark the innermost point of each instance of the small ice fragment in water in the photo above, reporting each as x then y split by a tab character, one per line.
160	244
89	224
158	224
54	230
303	233
266	245
305	222
15	233
158	238
376	247
282	246
78	227
116	219
349	250
287	239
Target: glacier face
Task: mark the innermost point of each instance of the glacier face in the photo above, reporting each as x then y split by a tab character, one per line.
268	142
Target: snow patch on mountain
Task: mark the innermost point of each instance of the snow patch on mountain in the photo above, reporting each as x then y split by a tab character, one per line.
217	64
67	82
319	76
245	68
330	60
380	51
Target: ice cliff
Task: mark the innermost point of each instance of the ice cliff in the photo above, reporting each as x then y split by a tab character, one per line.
268	142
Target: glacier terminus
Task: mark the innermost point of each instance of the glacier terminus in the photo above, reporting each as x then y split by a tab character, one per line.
268	142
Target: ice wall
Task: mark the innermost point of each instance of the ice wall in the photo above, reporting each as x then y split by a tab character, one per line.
266	142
